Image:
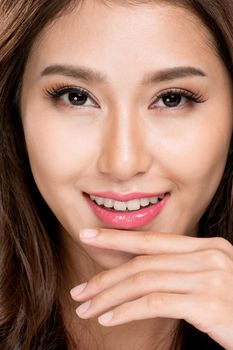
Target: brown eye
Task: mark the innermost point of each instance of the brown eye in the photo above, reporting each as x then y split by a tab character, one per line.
172	100
72	96
77	98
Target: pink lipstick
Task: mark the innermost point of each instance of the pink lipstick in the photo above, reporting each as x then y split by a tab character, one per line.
127	219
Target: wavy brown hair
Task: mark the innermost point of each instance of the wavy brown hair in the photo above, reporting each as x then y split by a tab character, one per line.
30	272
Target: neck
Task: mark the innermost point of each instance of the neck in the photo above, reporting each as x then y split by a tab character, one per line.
148	334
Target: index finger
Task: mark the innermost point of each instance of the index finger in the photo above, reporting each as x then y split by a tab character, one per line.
151	242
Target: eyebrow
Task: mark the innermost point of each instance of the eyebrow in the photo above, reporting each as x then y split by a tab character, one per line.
172	74
91	75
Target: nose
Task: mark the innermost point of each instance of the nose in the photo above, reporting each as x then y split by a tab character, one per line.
124	152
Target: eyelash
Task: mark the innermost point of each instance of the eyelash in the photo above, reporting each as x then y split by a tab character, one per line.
195	97
58	91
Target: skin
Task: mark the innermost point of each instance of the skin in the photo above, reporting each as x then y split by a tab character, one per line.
125	142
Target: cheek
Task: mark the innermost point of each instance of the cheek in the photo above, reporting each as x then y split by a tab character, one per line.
202	157
194	150
58	151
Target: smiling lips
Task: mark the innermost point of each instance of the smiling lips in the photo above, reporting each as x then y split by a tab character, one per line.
126	211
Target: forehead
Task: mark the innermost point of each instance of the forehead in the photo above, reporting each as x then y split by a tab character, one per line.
93	8
151	33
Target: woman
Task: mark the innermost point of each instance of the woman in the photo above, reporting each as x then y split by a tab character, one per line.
116	117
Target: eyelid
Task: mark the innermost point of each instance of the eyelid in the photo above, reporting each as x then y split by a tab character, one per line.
197	94
58	90
195	97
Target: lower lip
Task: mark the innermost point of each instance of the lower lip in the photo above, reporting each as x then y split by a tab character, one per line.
127	220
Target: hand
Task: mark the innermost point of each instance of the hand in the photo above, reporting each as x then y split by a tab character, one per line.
172	276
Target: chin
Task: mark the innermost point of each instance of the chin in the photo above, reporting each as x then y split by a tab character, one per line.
108	259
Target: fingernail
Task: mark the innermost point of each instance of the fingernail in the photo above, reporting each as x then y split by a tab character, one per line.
105	318
78	290
83	307
88	233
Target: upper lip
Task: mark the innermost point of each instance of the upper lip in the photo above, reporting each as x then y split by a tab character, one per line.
126	197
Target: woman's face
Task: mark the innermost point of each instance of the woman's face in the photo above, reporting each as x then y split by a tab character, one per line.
158	117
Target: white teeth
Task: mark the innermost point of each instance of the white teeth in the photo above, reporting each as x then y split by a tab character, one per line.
144	202
108	203
154	200
99	201
134	204
121	206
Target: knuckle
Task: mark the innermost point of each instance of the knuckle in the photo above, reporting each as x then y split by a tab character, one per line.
101	299
139	278
98	281
151	301
221	243
147	241
154	300
137	263
216	282
218	258
146	236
